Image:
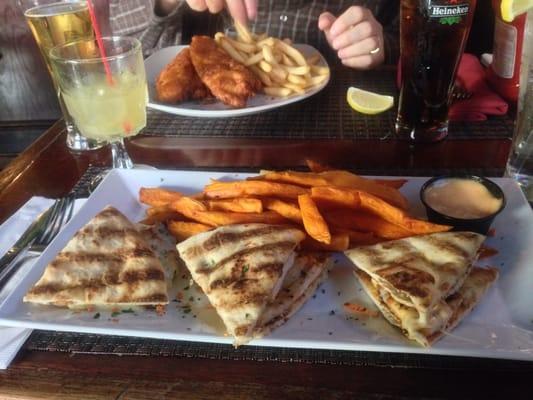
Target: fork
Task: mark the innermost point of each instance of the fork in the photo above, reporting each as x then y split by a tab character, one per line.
60	214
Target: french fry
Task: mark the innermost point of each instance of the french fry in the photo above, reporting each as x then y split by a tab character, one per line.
254	59
285	60
234	53
339	242
269	41
298	80
262	75
294	177
269	56
277	91
158	196
246	205
186	206
183	230
243	33
296	88
287	210
265	66
301	70
225	190
316	80
314	59
242	46
313	221
318	70
292	52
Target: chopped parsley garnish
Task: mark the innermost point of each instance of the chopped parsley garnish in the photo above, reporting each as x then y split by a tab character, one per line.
332	312
96	316
128	311
245	269
191	298
115	314
186	288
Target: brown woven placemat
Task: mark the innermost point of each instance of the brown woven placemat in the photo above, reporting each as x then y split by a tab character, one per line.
81	343
325	115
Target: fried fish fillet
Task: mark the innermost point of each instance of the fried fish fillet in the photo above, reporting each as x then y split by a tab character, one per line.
228	80
178	81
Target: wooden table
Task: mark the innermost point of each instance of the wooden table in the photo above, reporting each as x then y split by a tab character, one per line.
48	168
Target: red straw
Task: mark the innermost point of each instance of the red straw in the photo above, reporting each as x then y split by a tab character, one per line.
100	43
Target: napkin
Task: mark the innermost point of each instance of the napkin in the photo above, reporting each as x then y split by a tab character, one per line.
484	102
12	339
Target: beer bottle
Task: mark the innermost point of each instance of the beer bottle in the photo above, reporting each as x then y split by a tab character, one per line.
504	72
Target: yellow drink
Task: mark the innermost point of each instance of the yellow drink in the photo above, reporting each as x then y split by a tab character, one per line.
109	112
59	23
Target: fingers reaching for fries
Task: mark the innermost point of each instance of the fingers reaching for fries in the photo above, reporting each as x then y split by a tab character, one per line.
280	66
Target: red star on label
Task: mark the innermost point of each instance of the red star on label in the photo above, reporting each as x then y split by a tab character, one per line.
453	1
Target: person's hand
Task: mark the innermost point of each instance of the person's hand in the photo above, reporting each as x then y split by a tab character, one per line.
355	35
240	10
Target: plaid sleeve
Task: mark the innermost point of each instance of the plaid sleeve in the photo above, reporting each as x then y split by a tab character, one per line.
138	18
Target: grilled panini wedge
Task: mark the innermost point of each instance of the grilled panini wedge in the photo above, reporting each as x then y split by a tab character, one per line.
300	283
107	263
241	268
455	307
420	271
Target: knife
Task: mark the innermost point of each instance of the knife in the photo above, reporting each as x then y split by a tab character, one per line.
26	239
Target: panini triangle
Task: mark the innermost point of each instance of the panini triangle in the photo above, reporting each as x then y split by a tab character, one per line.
240	268
420	271
308	272
106	263
449	314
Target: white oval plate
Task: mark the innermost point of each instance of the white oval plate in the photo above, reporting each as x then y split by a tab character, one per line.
257	104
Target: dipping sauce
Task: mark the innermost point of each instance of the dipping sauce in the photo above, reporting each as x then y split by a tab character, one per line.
461	198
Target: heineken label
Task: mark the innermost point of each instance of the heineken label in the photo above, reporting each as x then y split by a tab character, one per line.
449	14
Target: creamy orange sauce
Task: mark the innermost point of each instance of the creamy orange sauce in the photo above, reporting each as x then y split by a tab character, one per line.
461	198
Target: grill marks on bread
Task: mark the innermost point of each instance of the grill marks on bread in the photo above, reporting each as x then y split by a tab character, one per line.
240	268
107	261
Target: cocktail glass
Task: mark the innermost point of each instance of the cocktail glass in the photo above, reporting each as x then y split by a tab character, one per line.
106	96
53	23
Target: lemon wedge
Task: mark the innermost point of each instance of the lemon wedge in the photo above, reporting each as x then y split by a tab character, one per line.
368	102
511	8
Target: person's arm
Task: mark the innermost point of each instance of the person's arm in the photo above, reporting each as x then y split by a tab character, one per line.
240	10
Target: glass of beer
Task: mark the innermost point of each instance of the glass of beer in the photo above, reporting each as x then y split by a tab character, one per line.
105	93
53	23
433	35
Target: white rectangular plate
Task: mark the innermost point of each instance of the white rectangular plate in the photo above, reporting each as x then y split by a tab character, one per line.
216	109
501	326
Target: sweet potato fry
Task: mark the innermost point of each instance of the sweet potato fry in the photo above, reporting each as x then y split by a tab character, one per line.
158	196
288	210
342	179
315	166
182	230
221	218
225	190
397	216
348	180
365	222
359	238
185	205
393	183
358	309
339	242
236	205
334	195
314	223
159	214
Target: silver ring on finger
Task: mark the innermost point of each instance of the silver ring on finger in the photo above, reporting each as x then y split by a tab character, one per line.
375	51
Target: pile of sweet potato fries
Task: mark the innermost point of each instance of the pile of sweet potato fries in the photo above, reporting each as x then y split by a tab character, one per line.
337	209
